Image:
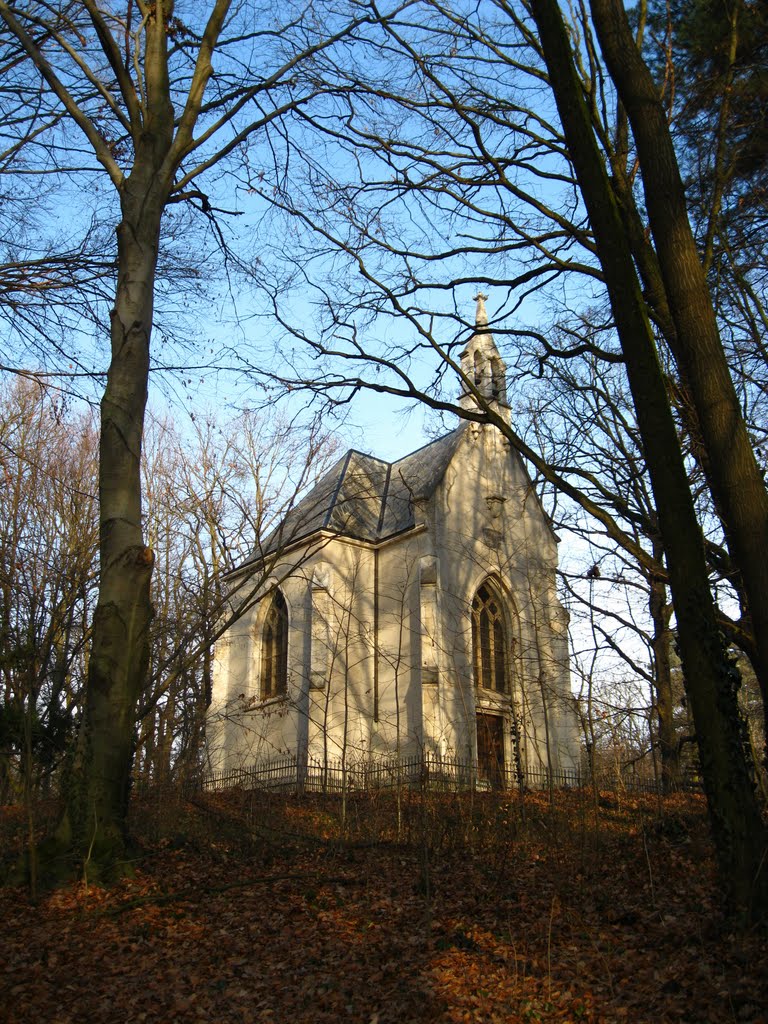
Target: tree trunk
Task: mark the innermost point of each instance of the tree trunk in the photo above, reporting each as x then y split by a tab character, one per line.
733	473
738	830
97	789
669	745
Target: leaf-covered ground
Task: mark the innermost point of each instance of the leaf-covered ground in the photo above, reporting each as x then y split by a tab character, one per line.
245	908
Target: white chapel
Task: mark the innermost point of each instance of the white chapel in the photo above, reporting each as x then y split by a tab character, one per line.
405	610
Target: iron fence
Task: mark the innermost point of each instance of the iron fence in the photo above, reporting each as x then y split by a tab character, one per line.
292	774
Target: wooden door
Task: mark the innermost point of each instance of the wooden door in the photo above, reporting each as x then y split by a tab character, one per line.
490	750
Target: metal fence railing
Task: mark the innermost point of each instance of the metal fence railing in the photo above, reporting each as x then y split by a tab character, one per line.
292	774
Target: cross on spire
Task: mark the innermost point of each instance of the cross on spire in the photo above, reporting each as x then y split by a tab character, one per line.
481	316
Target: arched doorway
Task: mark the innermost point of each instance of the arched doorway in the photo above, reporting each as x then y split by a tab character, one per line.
490	658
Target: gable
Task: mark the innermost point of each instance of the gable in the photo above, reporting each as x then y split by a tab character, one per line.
366	498
489	481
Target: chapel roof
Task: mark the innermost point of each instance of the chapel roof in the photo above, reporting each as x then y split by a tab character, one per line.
367	498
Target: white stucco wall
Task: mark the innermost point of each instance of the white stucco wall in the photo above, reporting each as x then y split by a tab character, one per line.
483	521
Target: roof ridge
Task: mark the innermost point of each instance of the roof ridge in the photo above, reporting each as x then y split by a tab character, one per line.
334	497
384	496
430	443
367	455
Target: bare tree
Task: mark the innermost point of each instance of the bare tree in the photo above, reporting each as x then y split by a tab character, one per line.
458	172
48	544
152	99
210	497
732	470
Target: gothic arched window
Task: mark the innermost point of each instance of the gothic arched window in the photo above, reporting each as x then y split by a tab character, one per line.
497	380
478	366
489	641
274	649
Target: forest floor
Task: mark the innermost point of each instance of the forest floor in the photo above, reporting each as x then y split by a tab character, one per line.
486	908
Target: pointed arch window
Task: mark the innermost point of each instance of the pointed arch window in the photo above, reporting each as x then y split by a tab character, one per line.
478	367
274	649
489	641
497	380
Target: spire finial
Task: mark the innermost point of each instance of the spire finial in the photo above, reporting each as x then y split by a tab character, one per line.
481	316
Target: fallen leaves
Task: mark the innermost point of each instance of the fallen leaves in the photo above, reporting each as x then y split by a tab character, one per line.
481	910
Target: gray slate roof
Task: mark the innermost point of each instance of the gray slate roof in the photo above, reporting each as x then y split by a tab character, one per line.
366	498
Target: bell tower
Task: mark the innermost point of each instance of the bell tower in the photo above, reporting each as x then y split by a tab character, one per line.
481	363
